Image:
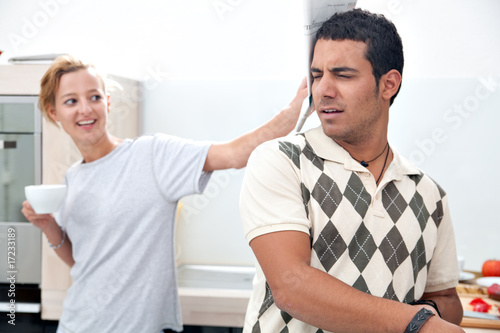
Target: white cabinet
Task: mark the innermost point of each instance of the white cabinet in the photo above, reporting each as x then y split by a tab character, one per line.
59	152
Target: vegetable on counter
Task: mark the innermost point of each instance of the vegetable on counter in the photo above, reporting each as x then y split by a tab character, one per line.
479	305
491	268
494	291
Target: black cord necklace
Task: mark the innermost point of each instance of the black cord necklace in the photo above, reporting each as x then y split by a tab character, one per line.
381	172
365	164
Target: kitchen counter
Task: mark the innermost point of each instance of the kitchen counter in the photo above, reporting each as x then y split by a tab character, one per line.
218	295
467	291
214	295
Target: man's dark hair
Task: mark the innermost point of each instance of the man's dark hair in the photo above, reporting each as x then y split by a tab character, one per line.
384	47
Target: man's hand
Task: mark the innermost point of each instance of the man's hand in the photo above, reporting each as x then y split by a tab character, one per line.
436	324
448	303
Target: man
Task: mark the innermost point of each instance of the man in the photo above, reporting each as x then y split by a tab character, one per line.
346	231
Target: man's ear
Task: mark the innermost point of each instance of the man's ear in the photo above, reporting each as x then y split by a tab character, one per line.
390	83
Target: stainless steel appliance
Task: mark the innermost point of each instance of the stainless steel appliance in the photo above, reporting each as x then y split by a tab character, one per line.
20	241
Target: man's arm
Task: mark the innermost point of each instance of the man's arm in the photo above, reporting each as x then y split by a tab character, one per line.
323	301
234	154
448	303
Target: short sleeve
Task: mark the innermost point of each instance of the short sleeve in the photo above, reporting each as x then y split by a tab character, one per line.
178	166
443	269
271	198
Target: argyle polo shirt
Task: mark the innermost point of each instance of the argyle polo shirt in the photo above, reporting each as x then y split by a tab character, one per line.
395	240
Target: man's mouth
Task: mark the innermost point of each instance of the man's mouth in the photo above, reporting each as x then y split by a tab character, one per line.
331	111
86	122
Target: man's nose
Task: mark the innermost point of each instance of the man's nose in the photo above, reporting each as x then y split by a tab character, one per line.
326	87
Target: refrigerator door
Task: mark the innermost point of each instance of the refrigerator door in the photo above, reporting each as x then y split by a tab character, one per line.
19	114
17	160
20	165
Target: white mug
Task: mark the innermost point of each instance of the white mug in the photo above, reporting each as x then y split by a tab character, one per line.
45	199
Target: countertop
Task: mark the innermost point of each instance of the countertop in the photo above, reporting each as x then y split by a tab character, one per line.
467	291
218	295
214	295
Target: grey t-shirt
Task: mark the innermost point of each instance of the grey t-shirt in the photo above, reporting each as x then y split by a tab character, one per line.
119	214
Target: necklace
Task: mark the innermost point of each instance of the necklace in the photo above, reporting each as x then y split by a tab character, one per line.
365	164
385	161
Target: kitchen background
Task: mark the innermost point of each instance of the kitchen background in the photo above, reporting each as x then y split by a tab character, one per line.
213	69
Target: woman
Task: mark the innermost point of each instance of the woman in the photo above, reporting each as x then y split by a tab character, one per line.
115	228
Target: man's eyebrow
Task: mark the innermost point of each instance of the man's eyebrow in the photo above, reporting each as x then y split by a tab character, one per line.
335	70
343	69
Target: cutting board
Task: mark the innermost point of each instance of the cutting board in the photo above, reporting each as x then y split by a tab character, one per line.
467	292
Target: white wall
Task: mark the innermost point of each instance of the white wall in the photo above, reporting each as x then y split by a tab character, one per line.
215	68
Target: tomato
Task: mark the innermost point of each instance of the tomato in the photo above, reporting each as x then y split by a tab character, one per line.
491	268
479	305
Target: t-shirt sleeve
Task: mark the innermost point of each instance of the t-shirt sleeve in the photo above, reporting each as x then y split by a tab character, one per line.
271	198
178	166
443	270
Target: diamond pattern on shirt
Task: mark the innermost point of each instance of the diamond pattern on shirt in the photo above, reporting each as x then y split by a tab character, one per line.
327	194
356	193
292	151
306	196
286	317
418	207
361	285
362	247
329	246
390	293
393	201
317	161
377	275
417	178
267	302
393	249
410	296
418	258
438	214
256	327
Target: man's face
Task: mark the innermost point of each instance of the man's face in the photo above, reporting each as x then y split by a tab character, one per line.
345	94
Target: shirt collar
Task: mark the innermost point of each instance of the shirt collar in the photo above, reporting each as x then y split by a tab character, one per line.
326	148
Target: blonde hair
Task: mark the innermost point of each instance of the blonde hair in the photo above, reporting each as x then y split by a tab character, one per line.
50	81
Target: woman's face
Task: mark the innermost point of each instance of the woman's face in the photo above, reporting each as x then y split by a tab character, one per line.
81	107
